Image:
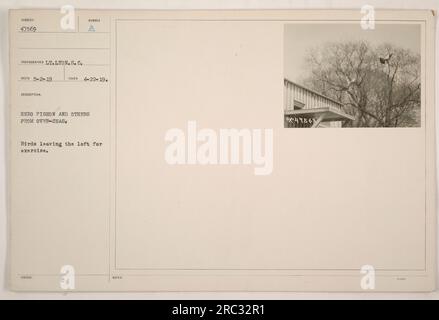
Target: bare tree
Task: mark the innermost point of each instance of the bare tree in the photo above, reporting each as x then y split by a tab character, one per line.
380	86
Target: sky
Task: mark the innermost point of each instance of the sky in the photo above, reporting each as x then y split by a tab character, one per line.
299	37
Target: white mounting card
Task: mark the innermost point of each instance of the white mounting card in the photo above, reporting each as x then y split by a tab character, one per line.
273	150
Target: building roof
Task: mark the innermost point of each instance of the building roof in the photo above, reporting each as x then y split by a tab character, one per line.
312	91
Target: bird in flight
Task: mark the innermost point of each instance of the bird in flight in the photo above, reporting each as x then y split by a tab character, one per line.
386	59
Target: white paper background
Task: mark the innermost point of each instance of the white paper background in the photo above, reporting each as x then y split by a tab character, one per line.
174	4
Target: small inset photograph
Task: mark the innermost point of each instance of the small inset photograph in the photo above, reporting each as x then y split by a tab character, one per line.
341	75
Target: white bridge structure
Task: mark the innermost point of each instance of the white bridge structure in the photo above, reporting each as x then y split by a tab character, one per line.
305	108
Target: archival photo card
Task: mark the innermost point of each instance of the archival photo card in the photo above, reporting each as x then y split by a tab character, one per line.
156	150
